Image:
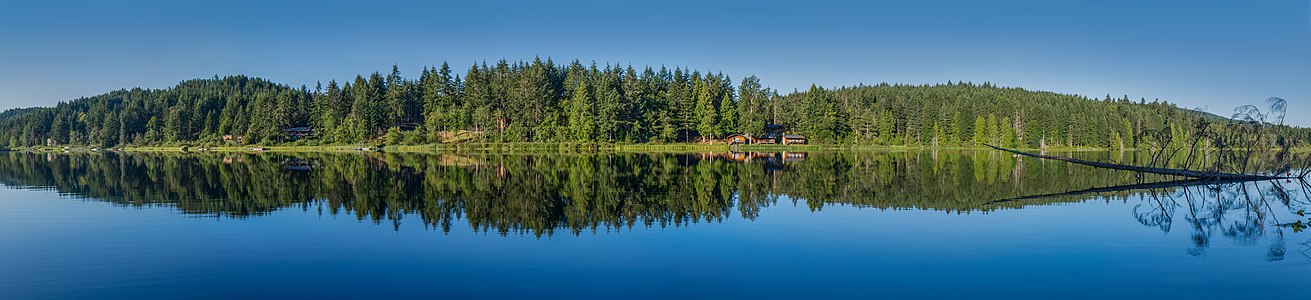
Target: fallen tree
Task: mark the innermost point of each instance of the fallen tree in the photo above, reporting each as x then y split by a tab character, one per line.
1122	188
1219	176
1251	135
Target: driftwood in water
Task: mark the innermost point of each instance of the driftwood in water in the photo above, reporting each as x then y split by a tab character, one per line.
1152	170
1127	187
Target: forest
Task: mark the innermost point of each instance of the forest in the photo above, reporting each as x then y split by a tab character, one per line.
540	101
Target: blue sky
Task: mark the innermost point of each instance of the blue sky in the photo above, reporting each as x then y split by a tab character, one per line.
1210	54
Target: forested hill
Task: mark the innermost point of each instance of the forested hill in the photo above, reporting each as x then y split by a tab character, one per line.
17	112
540	101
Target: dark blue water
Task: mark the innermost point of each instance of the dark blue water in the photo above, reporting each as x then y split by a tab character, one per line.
1220	242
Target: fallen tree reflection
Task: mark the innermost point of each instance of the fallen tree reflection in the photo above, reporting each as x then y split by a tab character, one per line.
1237	209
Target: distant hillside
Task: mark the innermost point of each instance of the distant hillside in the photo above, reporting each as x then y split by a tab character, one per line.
965	113
540	101
187	112
17	112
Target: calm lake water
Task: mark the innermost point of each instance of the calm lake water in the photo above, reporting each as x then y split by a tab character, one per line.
960	225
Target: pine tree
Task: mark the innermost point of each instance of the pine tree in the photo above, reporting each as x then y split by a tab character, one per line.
980	130
581	116
728	121
368	108
953	130
751	115
939	135
395	97
609	108
707	117
1008	136
994	130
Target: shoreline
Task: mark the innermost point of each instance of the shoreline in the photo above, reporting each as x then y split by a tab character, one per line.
543	147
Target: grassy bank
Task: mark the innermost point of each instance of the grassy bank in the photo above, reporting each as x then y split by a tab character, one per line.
334	148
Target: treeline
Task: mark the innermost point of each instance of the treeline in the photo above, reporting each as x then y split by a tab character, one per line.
967	114
540	101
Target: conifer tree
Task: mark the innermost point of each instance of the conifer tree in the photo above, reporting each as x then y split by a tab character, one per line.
980	130
581	119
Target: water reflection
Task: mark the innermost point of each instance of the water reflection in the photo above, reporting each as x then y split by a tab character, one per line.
539	194
1247	213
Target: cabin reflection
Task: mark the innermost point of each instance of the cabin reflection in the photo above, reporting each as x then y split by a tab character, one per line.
299	165
772	161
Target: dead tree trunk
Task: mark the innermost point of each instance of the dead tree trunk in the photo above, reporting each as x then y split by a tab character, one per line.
1161	171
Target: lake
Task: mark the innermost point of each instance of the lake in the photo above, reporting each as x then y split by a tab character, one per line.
856	224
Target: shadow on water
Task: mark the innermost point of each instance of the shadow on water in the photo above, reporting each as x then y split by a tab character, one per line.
539	194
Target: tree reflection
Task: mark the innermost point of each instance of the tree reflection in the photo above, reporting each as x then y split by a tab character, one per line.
538	194
1154	212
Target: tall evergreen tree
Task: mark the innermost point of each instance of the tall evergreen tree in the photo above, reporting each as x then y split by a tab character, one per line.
706	115
581	114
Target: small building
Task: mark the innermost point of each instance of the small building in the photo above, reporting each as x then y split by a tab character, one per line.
737	139
793	139
773	135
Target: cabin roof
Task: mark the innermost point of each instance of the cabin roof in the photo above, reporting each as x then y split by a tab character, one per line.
300	129
794	136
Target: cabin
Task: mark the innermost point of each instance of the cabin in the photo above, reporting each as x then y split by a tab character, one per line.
737	139
774	134
233	138
296	133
